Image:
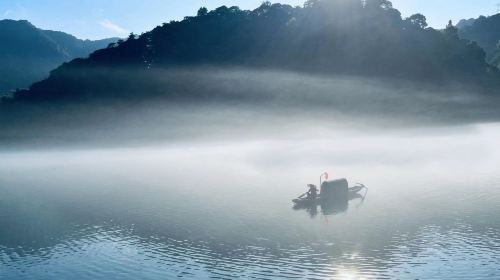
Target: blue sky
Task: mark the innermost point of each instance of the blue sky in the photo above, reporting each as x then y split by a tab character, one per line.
93	19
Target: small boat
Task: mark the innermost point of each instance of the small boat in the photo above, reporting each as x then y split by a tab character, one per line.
352	193
306	201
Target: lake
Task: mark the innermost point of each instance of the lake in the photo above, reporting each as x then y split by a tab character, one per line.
221	208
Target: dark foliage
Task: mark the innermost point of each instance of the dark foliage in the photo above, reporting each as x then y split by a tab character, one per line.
353	37
485	31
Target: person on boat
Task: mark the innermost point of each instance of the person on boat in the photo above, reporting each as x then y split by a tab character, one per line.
313	192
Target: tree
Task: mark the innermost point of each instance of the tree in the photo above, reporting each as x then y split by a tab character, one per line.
384	4
263	8
266	4
202	12
311	3
451	30
418	20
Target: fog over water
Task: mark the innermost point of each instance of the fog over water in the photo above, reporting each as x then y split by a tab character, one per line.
204	190
210	103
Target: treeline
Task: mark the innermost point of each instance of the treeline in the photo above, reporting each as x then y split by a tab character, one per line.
351	37
486	32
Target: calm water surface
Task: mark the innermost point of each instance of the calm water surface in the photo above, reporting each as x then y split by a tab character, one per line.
222	209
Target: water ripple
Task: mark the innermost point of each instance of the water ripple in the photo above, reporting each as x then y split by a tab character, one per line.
117	254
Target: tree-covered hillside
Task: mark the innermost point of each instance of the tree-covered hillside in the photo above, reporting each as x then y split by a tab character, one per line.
28	54
351	37
486	32
483	30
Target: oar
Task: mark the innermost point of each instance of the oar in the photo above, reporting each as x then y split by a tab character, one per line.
303	195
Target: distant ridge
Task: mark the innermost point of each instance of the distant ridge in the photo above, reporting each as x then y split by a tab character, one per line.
28	54
357	38
486	32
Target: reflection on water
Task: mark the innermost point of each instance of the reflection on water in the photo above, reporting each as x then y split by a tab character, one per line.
222	210
335	206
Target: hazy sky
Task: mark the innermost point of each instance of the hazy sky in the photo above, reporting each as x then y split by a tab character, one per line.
109	18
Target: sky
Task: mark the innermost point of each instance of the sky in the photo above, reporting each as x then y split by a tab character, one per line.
97	19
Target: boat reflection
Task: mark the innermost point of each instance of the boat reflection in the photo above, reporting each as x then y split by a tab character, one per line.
334	206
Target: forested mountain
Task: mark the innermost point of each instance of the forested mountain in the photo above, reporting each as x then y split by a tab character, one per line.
486	32
28	54
349	37
483	30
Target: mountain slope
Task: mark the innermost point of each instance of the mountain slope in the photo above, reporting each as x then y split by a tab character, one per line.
28	54
365	38
483	30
